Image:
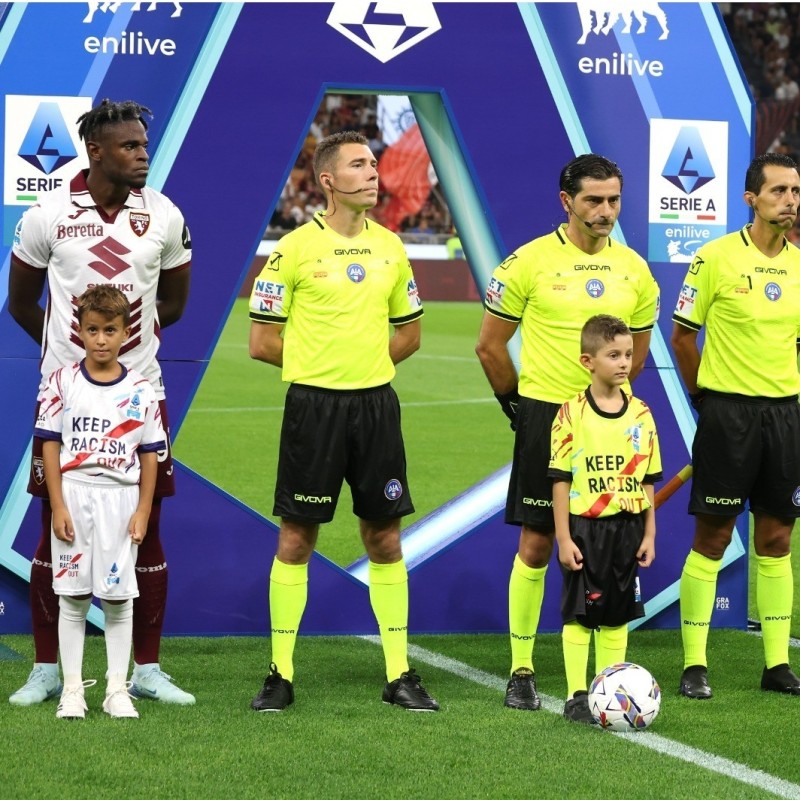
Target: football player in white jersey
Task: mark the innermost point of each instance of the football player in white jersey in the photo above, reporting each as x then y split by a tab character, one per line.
106	226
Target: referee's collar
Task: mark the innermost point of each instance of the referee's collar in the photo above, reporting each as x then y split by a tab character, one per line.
561	232
748	240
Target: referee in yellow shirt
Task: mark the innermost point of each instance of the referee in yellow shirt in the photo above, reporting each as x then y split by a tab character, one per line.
549	288
322	309
744	289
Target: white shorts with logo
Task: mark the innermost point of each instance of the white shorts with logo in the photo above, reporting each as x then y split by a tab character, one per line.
101	558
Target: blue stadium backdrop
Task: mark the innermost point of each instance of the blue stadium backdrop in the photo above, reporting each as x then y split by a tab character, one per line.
505	94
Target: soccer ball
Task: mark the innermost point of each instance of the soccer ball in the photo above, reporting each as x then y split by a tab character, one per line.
624	697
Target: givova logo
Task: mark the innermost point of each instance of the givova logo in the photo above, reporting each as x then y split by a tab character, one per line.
42	149
384	29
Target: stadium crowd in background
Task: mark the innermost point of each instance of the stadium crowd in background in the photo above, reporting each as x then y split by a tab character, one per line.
766	37
301	198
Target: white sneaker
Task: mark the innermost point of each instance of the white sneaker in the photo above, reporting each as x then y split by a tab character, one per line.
118	702
72	704
149	682
42	684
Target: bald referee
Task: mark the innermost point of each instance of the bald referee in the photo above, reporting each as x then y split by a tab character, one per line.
549	288
322	309
744	289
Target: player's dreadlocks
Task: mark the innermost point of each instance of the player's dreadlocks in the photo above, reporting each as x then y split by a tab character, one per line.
109	113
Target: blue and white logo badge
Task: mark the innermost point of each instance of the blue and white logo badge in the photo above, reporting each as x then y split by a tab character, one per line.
772	291
356	273
393	490
688	166
384	29
48	144
595	288
635	437
796	496
42	150
113	577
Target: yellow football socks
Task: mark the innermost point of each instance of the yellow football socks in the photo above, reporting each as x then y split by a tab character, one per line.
698	591
388	594
525	594
610	646
774	595
288	592
575	640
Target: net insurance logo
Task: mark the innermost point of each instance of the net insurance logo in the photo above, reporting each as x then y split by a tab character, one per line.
688	200
42	149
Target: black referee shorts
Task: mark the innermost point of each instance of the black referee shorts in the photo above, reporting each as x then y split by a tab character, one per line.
530	491
746	448
332	436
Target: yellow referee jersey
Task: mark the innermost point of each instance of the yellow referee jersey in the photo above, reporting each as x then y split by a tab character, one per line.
551	287
337	296
749	305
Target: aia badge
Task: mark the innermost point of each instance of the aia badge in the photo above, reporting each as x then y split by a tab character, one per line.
772	291
393	489
140	222
356	273
595	288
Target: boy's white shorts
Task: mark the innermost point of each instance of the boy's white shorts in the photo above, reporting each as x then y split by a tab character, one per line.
102	557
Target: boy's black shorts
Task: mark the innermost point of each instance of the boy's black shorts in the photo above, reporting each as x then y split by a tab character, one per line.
606	591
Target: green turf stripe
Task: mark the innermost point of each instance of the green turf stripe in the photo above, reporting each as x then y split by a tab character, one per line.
7	654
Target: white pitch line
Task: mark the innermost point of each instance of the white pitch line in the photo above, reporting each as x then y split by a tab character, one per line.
660	744
420	404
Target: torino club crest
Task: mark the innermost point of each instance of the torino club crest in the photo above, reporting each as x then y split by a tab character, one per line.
140	222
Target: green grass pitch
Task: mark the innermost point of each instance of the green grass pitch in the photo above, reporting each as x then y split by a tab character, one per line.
338	740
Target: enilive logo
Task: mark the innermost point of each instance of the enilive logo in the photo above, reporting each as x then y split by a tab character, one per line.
384	29
607	14
600	18
128	43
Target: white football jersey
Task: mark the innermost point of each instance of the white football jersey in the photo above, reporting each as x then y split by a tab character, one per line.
80	246
100	425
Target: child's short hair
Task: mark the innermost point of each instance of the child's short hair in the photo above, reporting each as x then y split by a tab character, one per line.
106	300
599	329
